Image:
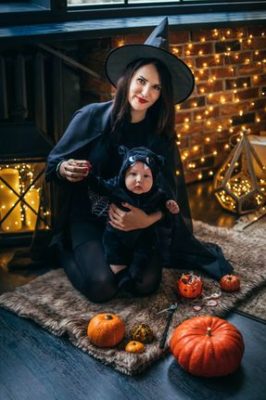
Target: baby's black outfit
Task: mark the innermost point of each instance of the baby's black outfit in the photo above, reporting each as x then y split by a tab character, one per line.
134	248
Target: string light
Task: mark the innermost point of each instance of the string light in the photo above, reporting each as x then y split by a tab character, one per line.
20	197
213	115
241	191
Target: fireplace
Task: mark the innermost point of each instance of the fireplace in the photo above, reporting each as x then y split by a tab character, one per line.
35	105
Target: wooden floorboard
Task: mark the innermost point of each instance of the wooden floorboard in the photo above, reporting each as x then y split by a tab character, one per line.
36	365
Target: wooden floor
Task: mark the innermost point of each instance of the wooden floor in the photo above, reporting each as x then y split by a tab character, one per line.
35	365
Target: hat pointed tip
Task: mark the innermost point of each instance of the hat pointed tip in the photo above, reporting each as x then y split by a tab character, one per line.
159	36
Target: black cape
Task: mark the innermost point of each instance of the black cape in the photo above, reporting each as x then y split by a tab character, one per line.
89	124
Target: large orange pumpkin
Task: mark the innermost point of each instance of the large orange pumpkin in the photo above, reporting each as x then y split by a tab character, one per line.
207	346
106	330
189	285
230	283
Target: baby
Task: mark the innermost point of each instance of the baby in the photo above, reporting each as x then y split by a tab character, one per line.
128	252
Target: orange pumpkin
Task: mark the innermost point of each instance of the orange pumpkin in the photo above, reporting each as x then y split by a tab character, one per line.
135	347
207	346
230	283
189	285
106	330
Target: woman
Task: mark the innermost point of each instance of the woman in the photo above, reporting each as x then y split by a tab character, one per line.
142	114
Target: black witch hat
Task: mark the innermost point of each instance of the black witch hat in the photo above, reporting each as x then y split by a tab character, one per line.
155	47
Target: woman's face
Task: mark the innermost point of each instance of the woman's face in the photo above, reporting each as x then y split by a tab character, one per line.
144	91
138	178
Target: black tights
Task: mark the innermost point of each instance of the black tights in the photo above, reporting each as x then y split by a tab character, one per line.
88	271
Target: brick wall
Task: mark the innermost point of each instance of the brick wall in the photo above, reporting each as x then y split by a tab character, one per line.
230	92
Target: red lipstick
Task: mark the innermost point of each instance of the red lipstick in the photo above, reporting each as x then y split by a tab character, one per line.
141	100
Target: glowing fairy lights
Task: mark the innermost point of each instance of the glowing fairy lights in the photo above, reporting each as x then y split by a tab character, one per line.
229	70
20	199
236	185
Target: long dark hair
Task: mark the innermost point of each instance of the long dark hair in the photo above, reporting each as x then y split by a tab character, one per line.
162	112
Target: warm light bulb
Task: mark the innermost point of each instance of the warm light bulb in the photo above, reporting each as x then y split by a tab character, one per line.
120	43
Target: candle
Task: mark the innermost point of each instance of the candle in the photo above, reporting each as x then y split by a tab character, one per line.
8	198
32	197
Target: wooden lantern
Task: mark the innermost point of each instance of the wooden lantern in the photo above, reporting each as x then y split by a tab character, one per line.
21	205
236	185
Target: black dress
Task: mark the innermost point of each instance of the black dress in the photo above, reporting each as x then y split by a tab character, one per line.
86	263
78	233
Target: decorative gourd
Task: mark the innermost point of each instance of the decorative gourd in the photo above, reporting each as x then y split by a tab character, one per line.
207	346
135	347
189	285
142	333
230	283
106	330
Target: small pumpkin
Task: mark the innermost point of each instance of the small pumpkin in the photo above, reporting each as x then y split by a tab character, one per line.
135	346
207	346
189	285
106	330
230	283
142	333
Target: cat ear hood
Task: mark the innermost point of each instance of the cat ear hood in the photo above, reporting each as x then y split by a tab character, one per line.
143	154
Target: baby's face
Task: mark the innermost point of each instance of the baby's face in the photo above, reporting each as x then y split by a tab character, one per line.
139	178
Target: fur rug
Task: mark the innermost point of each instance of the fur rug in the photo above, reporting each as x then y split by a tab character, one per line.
51	301
255	304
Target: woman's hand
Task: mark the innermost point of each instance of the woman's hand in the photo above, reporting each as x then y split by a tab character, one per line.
74	170
133	219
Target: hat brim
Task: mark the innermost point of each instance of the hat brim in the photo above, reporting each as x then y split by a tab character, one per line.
182	77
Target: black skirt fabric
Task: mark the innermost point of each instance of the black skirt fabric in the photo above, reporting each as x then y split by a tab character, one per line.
84	231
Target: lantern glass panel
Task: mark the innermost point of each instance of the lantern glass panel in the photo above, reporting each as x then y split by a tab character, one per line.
23	202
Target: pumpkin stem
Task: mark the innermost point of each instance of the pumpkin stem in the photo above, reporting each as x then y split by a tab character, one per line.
209	331
108	316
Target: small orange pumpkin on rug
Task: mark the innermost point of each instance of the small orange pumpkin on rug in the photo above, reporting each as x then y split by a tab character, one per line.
207	346
106	330
189	285
230	283
135	346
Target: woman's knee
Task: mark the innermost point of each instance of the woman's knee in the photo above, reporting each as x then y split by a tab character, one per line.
97	284
99	291
145	288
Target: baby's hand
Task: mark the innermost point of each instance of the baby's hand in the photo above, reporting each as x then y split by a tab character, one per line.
172	206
